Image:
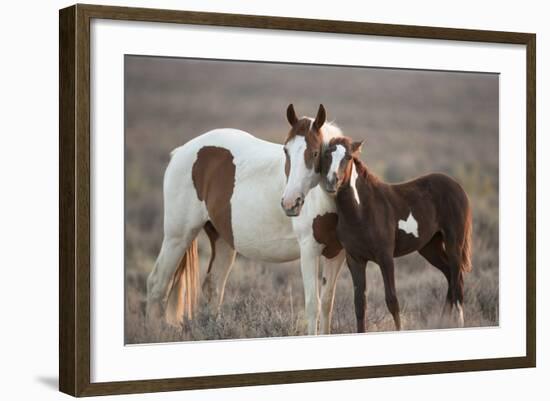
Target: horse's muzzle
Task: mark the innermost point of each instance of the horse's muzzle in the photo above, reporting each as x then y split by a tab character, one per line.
295	209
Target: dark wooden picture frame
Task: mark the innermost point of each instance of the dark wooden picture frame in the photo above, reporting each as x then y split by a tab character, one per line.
74	199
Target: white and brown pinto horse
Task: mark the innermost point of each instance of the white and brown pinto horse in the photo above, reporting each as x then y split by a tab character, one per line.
379	221
229	184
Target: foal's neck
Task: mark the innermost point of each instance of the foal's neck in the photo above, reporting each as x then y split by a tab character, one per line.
360	185
363	174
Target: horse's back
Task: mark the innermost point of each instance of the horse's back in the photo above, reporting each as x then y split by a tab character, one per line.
239	145
237	141
443	185
436	184
441	192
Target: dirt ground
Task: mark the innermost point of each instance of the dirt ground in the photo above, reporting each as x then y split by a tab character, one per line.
414	122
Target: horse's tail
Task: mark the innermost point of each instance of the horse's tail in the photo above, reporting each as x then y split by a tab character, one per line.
466	255
183	293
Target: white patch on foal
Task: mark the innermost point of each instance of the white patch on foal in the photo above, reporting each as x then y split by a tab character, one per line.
410	226
337	157
353	183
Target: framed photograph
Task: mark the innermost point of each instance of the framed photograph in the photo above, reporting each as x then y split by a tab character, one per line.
250	200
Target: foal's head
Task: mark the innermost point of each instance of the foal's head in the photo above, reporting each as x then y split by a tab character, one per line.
337	162
302	149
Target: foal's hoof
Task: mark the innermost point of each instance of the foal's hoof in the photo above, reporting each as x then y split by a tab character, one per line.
452	317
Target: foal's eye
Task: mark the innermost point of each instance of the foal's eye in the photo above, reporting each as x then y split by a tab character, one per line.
315	154
285	150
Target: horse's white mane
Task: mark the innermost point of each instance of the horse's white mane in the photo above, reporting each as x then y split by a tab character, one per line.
331	130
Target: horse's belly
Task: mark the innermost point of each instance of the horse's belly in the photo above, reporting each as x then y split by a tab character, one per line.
274	251
261	230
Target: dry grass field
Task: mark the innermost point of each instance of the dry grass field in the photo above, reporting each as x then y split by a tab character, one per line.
414	122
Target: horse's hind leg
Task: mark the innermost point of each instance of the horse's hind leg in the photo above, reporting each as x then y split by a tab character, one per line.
158	282
388	274
434	253
180	229
221	261
456	278
331	269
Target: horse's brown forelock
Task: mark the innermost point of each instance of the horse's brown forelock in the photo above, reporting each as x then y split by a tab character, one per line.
301	128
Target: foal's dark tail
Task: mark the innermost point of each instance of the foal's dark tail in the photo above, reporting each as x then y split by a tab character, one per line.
466	256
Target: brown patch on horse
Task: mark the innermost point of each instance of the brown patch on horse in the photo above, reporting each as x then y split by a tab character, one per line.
213	176
324	232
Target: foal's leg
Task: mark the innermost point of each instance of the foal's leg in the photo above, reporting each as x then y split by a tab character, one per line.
331	269
358	272
434	253
221	261
388	274
456	282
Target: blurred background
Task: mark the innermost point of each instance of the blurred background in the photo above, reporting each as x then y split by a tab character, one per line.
414	122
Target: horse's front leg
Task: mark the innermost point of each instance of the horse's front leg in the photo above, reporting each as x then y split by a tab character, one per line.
309	260
358	270
331	269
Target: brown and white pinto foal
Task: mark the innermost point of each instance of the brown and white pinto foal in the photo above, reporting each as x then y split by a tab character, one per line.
379	221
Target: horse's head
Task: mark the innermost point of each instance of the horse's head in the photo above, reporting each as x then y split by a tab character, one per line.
337	162
302	149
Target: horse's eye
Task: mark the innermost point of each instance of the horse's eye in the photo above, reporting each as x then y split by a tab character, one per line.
315	154
286	151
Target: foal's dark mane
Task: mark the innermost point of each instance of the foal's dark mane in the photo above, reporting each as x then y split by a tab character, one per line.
364	172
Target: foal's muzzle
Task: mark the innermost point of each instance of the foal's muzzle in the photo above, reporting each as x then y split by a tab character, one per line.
331	184
295	209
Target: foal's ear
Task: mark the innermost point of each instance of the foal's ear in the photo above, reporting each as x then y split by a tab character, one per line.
291	115
357	147
321	117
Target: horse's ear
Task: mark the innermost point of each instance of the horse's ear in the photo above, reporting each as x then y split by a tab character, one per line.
321	117
291	115
356	147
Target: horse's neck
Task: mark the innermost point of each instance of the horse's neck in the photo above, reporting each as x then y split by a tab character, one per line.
319	201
